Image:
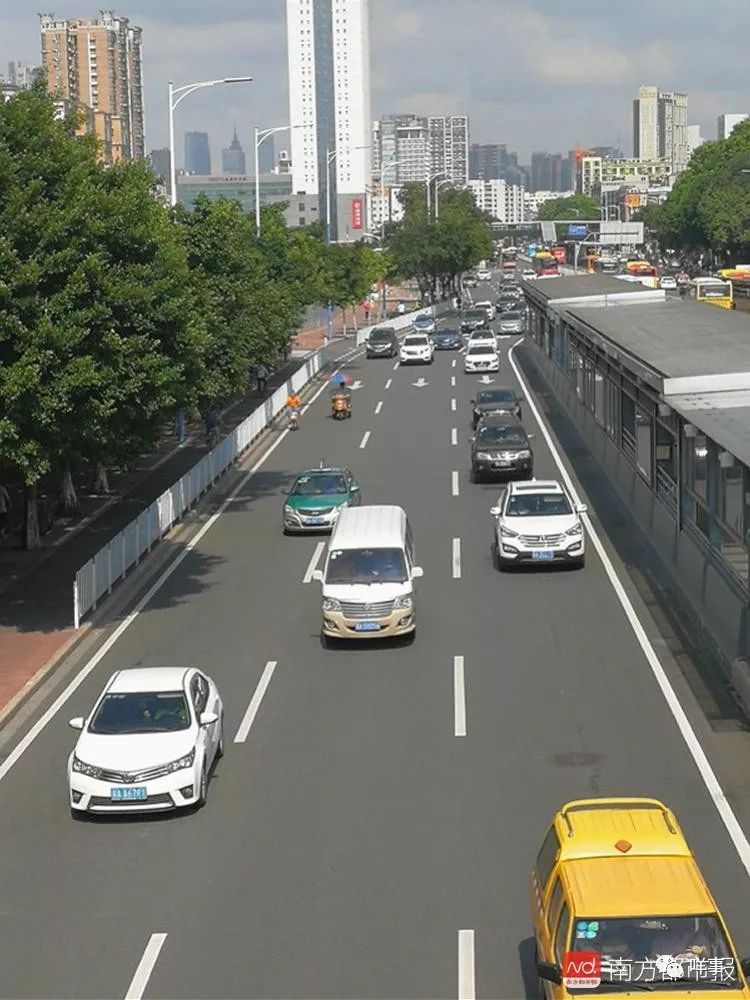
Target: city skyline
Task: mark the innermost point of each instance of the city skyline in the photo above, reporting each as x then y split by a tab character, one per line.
544	114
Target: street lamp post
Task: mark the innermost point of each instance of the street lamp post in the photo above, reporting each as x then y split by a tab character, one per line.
180	93
260	137
434	177
437	196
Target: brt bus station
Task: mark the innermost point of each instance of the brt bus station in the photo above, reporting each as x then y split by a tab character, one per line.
659	390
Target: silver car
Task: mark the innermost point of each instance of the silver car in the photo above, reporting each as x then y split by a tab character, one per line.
512	322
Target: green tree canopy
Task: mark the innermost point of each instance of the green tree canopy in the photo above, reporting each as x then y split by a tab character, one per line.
577	206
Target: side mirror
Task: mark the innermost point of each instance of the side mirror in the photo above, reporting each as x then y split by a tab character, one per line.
550	972
531	436
495	511
355	487
208	718
317	575
77	723
417	573
581	508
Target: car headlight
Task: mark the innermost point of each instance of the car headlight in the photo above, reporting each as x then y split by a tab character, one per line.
523	454
81	767
508	532
331	604
179	765
484	456
403	602
575	530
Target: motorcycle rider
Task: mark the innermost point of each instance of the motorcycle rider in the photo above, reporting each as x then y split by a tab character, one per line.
293	405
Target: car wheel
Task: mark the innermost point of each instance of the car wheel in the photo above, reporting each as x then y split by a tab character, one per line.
220	748
203	789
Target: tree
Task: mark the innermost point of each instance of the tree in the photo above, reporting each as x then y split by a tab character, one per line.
352	271
578	206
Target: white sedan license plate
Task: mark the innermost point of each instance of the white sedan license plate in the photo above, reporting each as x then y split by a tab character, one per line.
367	627
543	555
128	794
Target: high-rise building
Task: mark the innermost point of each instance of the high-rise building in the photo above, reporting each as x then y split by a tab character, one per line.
503	201
726	124
487	161
233	159
694	139
329	91
98	63
267	156
660	127
449	147
197	154
546	172
161	163
22	76
401	140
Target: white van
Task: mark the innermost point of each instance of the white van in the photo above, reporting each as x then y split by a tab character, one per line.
368	575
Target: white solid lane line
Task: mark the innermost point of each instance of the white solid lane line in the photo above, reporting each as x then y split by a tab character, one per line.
379	407
453	379
41	724
466	977
365	439
145	967
389	383
453	405
697	752
456	559
454	483
454	435
257	698
313	564
459	697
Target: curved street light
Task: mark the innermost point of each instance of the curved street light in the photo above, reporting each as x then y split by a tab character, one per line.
260	137
181	93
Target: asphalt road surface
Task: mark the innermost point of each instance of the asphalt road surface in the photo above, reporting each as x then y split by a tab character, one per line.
353	844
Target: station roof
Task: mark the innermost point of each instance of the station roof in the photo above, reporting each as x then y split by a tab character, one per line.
696	356
583	286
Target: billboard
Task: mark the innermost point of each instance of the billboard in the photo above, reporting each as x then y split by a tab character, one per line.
633	200
578	231
621	233
356	213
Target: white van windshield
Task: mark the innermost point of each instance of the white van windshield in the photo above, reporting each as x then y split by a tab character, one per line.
366	566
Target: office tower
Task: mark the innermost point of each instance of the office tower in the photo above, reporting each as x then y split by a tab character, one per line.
197	154
504	202
267	156
449	147
98	63
401	140
660	127
487	162
329	91
546	172
725	124
161	163
233	158
22	76
694	139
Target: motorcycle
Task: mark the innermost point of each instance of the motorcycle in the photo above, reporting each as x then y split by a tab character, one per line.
341	405
293	420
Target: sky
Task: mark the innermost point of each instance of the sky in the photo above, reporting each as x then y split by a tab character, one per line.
533	74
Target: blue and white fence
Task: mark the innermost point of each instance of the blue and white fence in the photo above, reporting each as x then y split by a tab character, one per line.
112	563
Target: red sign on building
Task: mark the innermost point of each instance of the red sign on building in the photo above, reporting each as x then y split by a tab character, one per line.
356	213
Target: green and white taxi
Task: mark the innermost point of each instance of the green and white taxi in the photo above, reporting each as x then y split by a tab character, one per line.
316	499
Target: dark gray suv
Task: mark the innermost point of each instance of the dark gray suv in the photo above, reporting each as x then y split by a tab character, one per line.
382	343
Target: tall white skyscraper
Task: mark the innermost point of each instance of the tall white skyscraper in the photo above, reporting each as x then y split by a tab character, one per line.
646	124
727	123
329	93
660	127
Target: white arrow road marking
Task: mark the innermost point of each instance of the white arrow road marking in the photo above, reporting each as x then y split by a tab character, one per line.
421	383
356	385
145	967
485	380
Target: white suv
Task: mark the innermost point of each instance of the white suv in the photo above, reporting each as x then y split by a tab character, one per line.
416	348
481	357
537	521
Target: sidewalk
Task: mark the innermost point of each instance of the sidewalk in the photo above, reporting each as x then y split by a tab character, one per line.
36	587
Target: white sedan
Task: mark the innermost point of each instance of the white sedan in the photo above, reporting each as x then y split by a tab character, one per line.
416	349
483	336
149	743
481	358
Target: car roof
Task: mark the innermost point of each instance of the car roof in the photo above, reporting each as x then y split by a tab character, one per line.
637	887
476	348
499	388
324	469
502	420
536	486
137	679
360	526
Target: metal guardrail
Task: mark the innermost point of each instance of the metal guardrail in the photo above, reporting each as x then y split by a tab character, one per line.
111	564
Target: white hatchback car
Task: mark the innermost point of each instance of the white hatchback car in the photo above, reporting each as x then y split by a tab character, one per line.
481	358
149	743
416	349
536	521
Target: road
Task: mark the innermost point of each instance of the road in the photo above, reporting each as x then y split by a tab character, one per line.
352	837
